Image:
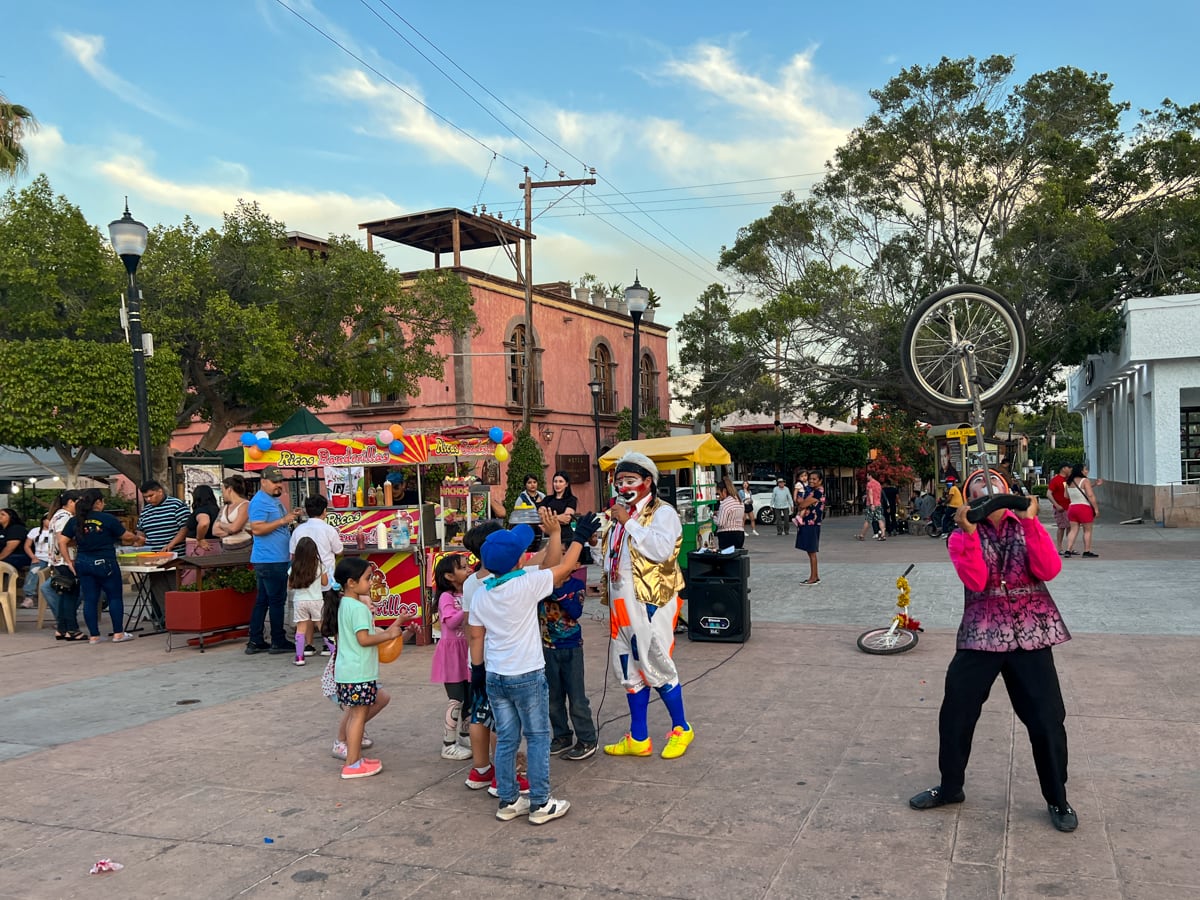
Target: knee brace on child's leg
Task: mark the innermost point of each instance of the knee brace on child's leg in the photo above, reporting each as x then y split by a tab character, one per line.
453	716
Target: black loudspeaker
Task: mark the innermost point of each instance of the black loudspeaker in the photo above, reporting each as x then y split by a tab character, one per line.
718	596
666	487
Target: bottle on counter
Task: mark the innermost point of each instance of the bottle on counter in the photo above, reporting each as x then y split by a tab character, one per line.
387	493
403	535
372	496
394	534
381	536
358	494
360	540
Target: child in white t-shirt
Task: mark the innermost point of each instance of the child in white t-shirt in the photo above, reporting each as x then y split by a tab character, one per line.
308	580
506	637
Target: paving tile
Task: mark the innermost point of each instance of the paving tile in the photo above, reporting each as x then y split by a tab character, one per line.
1047	882
820	877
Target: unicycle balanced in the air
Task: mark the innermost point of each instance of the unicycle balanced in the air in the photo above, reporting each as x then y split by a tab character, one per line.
962	351
901	635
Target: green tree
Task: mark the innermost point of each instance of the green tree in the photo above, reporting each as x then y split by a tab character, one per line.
901	445
58	276
261	327
650	424
74	396
708	366
525	458
16	123
963	175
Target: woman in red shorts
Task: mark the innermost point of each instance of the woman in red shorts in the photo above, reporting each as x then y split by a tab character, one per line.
1082	510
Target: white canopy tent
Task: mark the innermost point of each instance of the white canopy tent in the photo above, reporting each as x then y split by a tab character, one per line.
21	465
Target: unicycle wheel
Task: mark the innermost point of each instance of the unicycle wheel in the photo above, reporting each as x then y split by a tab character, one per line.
884	641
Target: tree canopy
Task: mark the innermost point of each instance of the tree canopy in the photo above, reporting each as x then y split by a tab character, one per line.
16	121
964	175
255	326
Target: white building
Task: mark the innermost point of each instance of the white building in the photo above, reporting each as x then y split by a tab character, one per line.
1141	412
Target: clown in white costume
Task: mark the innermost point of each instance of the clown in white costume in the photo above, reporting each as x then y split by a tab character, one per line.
641	586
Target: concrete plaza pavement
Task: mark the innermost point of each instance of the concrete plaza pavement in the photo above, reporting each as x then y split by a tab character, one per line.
181	766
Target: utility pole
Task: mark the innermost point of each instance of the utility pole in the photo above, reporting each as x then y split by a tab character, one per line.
528	185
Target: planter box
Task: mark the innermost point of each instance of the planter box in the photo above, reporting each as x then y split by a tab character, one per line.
200	612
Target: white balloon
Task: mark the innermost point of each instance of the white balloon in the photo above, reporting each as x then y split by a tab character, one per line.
261	434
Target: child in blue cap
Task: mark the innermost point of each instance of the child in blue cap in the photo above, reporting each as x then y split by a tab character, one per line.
505	636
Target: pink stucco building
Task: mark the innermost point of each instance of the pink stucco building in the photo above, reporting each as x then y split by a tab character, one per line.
573	342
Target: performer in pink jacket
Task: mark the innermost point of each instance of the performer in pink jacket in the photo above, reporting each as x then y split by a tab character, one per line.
1009	625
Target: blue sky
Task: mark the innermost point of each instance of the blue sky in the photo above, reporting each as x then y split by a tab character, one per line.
186	107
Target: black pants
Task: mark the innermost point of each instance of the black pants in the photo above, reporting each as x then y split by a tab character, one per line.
734	539
565	679
1032	683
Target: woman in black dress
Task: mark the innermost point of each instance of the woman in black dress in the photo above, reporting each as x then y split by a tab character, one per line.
562	503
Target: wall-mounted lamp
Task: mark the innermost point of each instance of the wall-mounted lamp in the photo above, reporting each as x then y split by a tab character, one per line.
547	433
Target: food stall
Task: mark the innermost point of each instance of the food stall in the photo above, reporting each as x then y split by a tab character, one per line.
692	456
379	512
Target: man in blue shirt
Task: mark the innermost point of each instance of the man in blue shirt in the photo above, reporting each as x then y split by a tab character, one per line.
269	522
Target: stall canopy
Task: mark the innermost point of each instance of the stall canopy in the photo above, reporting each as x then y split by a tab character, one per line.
672	452
302	422
16	465
360	448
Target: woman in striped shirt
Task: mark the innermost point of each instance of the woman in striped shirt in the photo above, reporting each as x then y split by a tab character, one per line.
731	518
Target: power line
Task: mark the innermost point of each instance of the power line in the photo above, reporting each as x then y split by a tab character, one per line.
402	90
697	187
444	73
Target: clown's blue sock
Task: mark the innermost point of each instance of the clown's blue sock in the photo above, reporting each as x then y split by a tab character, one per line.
672	698
638	704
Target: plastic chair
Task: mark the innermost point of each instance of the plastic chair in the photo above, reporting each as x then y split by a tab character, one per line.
10	587
42	606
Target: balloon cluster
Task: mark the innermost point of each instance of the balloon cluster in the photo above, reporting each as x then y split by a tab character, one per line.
501	439
392	437
256	443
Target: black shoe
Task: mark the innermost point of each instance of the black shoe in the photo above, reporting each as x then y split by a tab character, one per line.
580	751
1063	817
276	649
935	797
561	745
253	647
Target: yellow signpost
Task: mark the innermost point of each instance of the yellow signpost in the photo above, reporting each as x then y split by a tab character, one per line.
961	433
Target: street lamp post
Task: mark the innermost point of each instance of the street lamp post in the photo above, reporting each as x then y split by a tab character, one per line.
782	452
636	297
128	238
596	387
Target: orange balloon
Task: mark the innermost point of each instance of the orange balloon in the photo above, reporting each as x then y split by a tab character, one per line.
389	651
397	431
254	453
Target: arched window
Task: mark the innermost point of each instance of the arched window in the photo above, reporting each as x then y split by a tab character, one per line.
648	384
517	360
602	371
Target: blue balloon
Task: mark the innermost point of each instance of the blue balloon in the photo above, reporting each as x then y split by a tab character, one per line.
248	439
396	448
496	434
264	444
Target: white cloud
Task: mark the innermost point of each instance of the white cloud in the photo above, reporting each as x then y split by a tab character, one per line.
788	125
316	212
45	147
86	50
403	119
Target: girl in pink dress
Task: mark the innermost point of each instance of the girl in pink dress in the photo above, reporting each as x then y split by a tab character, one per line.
450	664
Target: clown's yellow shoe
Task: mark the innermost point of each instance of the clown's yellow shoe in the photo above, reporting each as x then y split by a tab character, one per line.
677	742
627	746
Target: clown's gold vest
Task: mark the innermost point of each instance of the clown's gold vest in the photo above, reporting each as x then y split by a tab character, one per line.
653	582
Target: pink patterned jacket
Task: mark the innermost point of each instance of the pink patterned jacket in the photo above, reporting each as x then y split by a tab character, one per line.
1004	569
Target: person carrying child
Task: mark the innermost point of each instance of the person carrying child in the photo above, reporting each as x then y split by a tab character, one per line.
450	663
504	635
356	664
562	648
308	580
